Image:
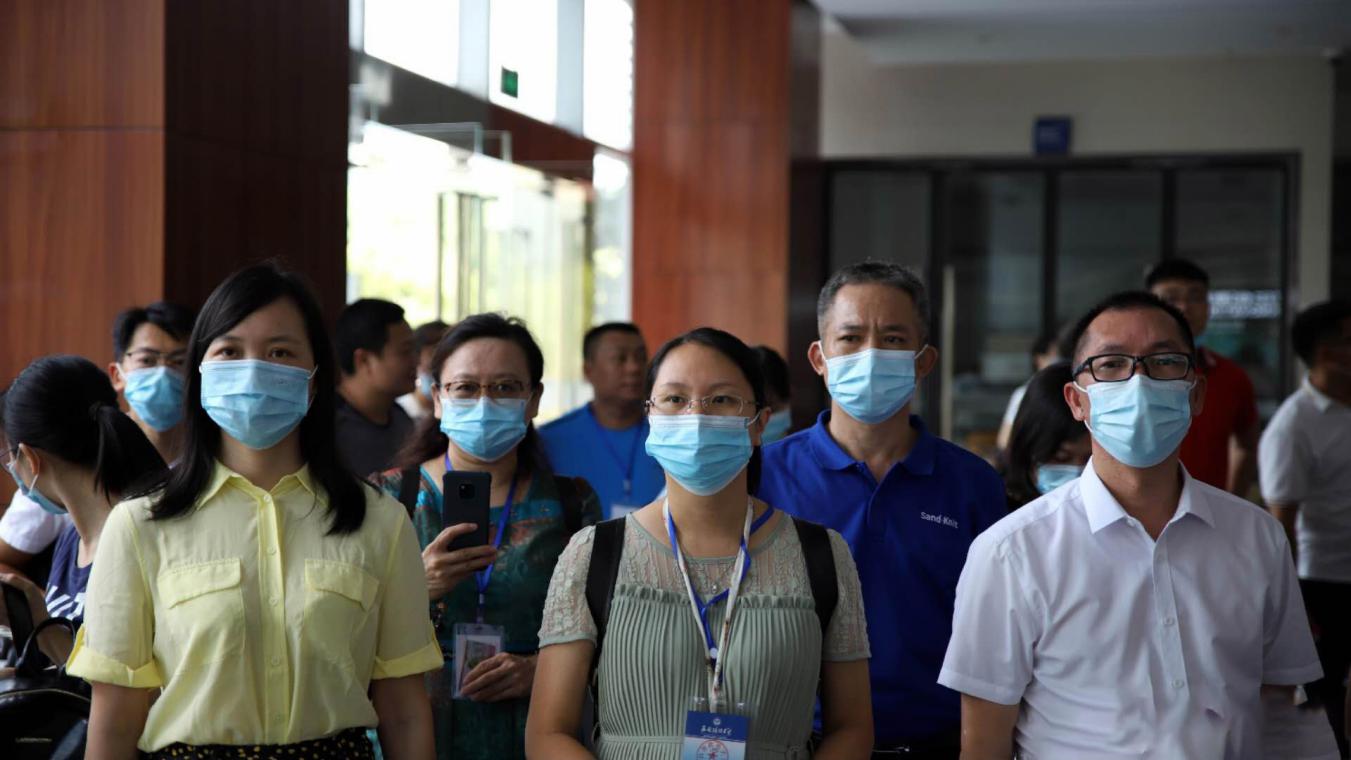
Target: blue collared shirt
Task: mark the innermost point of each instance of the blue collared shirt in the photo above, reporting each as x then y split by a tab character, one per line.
909	535
578	446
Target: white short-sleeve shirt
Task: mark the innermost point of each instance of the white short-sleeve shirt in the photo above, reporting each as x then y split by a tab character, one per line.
1304	458
1119	646
28	527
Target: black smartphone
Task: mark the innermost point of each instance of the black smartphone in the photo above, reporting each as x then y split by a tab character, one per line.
464	499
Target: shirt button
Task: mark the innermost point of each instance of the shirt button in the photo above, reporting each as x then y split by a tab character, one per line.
1169	622
276	662
271	550
1178	684
274	601
278	717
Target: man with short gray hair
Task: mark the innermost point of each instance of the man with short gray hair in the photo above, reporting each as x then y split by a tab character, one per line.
908	503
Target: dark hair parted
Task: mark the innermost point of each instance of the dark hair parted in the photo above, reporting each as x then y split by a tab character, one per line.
429	334
739	354
1127	301
870	272
171	318
1176	269
65	406
428	442
1315	325
242	294
1043	423
363	324
775	371
594	335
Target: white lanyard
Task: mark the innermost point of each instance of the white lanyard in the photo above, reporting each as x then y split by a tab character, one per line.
714	660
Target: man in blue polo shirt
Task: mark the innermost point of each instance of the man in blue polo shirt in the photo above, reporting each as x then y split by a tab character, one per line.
908	503
602	441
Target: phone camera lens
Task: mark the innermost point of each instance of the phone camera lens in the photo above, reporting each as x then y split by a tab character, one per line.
466	490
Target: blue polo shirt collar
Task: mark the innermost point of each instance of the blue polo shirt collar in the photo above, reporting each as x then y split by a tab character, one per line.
829	454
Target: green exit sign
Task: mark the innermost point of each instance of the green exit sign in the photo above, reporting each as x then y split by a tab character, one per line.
511	83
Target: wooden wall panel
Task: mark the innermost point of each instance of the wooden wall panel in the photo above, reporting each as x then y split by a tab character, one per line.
257	146
81	214
81	63
710	167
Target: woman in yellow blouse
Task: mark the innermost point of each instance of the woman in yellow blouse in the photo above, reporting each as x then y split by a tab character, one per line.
273	601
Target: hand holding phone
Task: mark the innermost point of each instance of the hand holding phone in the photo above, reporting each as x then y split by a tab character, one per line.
445	569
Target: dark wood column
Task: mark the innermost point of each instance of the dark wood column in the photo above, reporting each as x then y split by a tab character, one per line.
148	148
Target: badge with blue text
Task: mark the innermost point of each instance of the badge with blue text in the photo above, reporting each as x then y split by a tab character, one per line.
714	736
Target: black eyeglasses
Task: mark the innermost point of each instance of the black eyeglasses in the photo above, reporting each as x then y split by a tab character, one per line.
1116	368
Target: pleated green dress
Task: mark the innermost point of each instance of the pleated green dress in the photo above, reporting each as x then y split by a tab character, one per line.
652	663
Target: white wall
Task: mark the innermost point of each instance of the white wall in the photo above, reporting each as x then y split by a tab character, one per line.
1118	107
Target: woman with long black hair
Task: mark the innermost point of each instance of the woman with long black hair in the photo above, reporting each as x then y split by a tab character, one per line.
72	451
275	601
714	635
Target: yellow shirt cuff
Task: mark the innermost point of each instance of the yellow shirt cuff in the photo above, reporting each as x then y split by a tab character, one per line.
423	660
94	666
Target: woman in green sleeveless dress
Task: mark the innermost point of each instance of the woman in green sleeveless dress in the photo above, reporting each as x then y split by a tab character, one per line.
661	658
488	372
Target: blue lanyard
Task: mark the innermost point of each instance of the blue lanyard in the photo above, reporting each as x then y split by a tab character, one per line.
619	461
703	606
484	576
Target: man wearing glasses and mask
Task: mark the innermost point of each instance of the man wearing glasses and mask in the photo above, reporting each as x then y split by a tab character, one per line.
1136	611
149	347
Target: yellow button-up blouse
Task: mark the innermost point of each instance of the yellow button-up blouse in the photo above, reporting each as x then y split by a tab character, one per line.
258	626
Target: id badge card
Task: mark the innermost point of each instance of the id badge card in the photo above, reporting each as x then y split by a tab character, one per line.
714	736
474	643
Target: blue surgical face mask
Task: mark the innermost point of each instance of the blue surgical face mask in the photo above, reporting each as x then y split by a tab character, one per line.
156	395
425	381
778	425
1139	421
1053	476
873	384
33	494
255	402
702	452
485	428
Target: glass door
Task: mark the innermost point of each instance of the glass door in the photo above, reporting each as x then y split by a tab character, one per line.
991	295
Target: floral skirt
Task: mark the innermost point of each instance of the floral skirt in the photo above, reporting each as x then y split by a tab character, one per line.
351	744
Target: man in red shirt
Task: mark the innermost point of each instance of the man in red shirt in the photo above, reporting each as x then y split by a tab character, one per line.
1221	447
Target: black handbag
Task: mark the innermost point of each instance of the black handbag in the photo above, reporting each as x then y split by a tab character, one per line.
44	713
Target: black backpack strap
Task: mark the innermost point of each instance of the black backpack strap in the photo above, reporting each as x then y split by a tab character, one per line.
601	576
408	488
570	497
606	547
820	559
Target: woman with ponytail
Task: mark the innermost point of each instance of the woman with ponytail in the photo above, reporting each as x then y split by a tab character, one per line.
72	451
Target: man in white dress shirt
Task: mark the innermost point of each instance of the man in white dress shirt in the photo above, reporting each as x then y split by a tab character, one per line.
1134	612
1305	464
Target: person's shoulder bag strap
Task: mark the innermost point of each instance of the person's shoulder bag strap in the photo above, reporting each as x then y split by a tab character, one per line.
601	577
410	481
570	498
820	559
606	547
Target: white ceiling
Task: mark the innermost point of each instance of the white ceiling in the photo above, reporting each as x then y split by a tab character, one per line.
962	31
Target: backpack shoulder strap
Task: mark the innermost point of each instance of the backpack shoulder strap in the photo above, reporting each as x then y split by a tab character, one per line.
410	481
601	577
570	498
820	559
